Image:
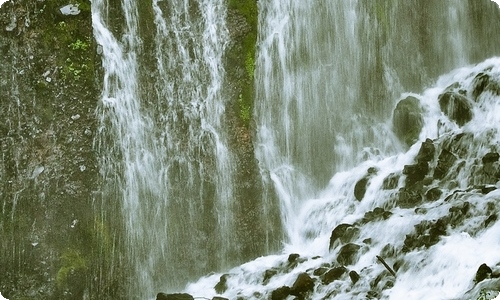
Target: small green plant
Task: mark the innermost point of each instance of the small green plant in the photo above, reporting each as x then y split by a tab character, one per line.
79	45
72	263
250	65
245	110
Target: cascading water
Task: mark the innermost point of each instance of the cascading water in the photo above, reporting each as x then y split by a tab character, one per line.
327	75
327	78
433	231
164	152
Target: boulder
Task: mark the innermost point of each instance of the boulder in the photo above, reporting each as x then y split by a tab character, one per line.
333	274
268	274
163	296
415	173
221	286
409	197
445	162
281	293
391	181
348	254
377	214
292	258
407	120
484	83
354	277
302	285
490	157
456	107
219	298
483	272
360	188
342	233
433	194
426	152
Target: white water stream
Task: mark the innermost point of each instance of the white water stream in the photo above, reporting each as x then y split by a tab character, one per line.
164	153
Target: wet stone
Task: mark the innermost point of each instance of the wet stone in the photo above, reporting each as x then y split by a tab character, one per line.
333	274
348	254
483	272
456	107
281	293
163	296
302	285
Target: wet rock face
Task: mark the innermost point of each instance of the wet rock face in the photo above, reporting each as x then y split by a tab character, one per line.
456	107
407	120
482	83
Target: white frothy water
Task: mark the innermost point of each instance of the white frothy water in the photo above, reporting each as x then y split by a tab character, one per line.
443	270
164	154
325	79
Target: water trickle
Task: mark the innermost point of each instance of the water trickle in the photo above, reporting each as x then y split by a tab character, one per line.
164	154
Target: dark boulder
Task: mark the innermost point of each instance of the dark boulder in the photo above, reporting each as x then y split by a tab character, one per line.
354	276
415	173
268	274
484	83
483	272
221	286
348	254
333	274
302	285
445	162
377	214
292	258
343	233
407	120
490	157
427	234
320	271
426	152
456	107
163	296
433	194
409	197
391	181
281	293
360	188
219	298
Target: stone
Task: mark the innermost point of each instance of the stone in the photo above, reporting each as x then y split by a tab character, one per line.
333	274
342	233
484	83
456	107
219	298
302	285
416	172
354	276
490	157
320	271
391	181
348	254
360	188
281	293
183	296
445	162
293	257
221	286
433	194
426	152
409	197
268	274
483	272
407	120
376	214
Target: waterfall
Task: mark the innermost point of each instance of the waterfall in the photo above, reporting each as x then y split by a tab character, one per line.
164	154
328	75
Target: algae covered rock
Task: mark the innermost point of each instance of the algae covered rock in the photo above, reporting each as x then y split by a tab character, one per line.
407	120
